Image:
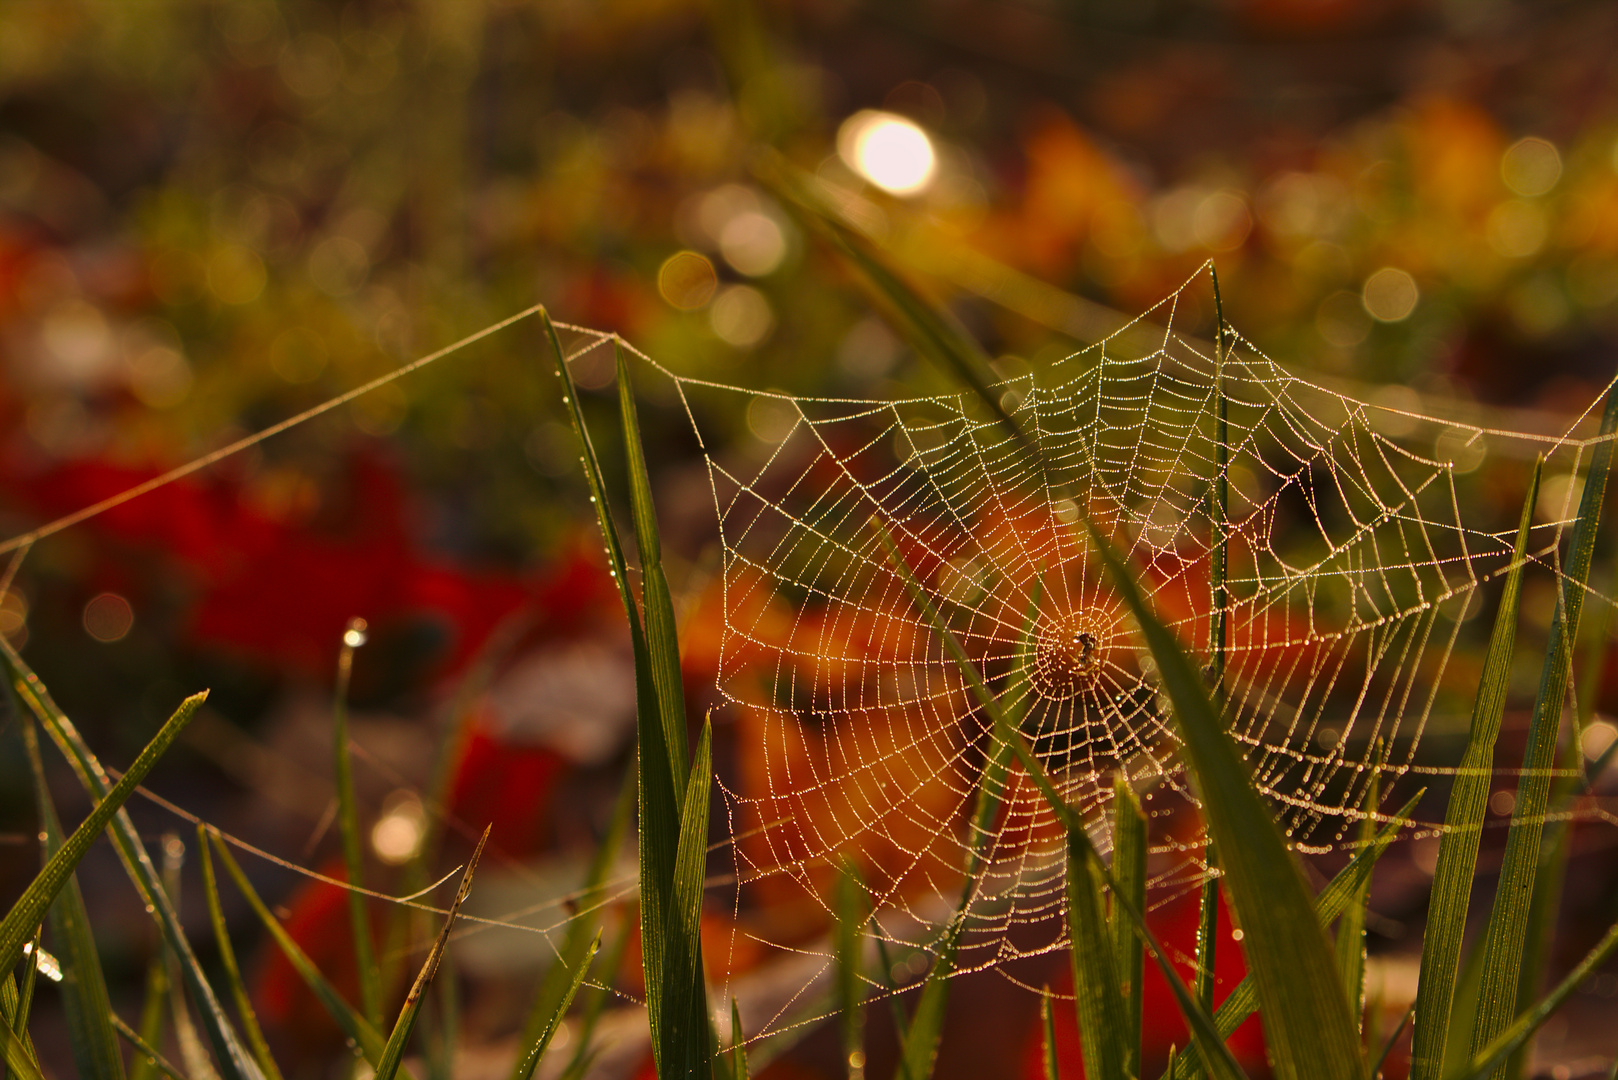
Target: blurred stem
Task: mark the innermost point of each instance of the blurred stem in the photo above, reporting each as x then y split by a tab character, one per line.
348	823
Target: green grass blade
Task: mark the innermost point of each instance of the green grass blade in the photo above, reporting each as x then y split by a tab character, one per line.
595	1001
26	914
355	1027
393	1052
151	1014
1333	900
659	796
1516	1035
577	942
145	1052
1204	1033
1306	1018
918	1047
1097	997
84	987
25	999
1202	978
847	936
738	1044
534	1050
1463	822
1350	943
232	1058
932	331
684	1028
1047	1016
227	960
1508	926
13	1015
19	1060
1129	867
662	641
348	827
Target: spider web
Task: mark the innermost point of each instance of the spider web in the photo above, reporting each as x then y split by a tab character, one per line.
1360	537
1356	566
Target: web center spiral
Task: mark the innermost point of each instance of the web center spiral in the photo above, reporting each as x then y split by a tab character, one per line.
1068	656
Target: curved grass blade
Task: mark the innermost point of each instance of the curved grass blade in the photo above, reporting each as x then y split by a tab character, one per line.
84	986
659	793
1463	821
1375	1071
1307	1022
348	828
685	1023
1129	867
533	1051
233	1059
393	1053
355	1027
1514	1037
227	960
1507	931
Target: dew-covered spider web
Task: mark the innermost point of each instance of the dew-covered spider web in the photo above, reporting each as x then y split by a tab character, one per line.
1361	542
1364	543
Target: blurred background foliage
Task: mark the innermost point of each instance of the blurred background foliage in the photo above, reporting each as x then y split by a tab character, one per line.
214	213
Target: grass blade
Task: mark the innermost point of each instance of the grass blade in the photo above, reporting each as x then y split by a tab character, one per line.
684	1028
84	987
145	1051
151	1014
1047	1016
227	960
1129	867
232	1057
1333	900
657	606
1350	943
25	1000
1486	1060
594	1002
1463	822
1307	1022
554	986
1204	1033
1097	997
348	827
931	330
26	914
738	1044
393	1053
918	1048
659	794
533	1051
355	1027
1507	931
848	933
19	1060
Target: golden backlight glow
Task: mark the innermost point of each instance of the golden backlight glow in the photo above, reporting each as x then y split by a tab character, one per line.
891	152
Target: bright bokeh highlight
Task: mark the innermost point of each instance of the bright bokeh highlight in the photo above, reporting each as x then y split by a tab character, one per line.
890	151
